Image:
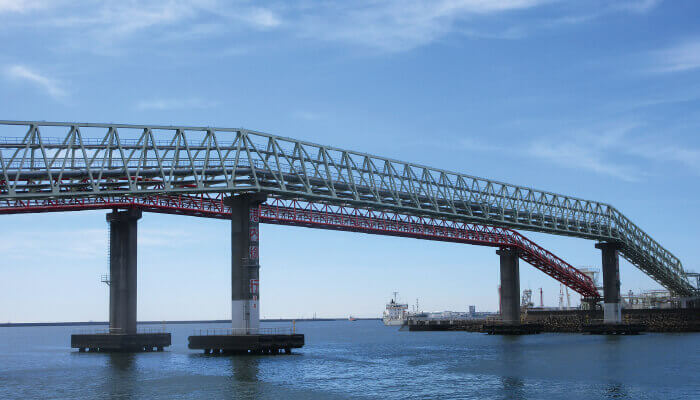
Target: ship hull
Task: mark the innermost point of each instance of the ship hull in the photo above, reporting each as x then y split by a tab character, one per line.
392	322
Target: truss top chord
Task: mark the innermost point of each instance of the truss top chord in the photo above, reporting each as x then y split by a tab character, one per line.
49	160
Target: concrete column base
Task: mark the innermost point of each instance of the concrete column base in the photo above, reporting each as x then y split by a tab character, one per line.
612	313
245	316
108	342
246	344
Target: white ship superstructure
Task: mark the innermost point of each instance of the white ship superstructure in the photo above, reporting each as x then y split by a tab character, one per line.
395	313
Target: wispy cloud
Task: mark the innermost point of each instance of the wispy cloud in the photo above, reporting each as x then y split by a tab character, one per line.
616	151
260	18
22	6
638	6
81	244
399	25
124	17
579	13
23	73
392	25
686	156
33	245
577	156
681	57
168	238
175	104
562	153
114	26
307	115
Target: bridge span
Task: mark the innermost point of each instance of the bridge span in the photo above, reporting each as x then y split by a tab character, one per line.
51	166
512	245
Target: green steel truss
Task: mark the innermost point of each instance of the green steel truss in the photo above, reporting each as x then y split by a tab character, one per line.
49	159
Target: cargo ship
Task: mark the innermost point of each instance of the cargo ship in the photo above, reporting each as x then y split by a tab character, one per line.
395	313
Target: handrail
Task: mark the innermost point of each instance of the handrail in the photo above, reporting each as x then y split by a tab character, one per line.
242	331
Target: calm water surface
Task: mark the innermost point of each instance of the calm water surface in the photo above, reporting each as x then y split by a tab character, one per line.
361	359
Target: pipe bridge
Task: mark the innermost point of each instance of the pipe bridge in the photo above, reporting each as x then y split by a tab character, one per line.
53	160
324	216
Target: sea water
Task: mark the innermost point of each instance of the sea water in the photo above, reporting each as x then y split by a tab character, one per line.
360	359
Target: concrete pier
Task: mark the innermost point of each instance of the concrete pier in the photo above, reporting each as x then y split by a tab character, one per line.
120	342
122	270
612	309
246	344
245	264
510	286
122	334
245	336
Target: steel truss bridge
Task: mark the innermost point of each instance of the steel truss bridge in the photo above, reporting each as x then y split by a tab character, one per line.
44	163
324	216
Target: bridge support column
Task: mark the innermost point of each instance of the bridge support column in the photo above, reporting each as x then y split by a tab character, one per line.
245	295
612	310
122	336
510	286
245	265
122	270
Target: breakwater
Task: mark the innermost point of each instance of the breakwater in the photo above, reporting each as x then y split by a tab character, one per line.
574	321
653	320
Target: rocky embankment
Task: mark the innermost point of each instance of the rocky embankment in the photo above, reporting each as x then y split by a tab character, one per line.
573	321
657	320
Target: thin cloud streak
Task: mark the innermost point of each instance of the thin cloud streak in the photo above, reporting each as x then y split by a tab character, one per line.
389	26
399	25
638	6
688	157
403	25
174	104
25	74
563	154
575	156
112	27
80	244
681	57
307	115
121	18
22	6
592	152
165	238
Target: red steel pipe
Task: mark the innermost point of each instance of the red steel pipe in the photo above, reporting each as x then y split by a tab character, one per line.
324	216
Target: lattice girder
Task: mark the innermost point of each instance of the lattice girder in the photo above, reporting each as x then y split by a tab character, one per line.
115	159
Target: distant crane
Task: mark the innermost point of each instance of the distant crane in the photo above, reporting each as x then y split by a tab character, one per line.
541	299
526	300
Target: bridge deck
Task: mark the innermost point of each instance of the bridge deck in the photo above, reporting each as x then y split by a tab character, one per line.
50	160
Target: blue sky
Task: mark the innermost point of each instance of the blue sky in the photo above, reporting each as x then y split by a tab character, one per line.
597	99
